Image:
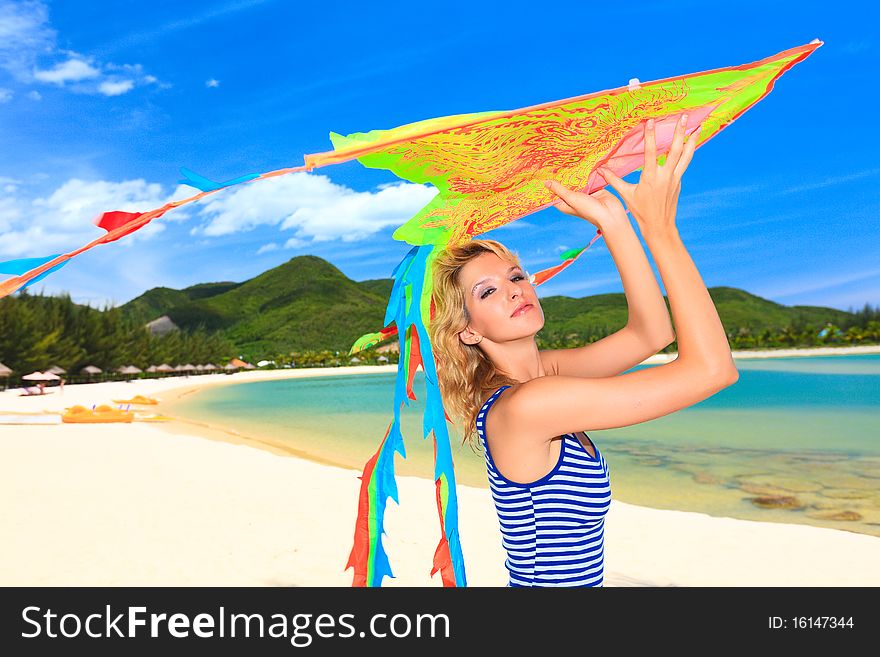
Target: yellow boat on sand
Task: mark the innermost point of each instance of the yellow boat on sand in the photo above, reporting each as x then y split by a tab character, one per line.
137	399
102	413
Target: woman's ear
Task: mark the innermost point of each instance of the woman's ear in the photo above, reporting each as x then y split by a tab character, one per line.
469	337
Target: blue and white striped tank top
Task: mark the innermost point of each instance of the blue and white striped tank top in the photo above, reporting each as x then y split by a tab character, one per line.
553	529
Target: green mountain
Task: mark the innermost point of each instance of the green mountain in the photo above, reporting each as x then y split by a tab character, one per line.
307	303
154	303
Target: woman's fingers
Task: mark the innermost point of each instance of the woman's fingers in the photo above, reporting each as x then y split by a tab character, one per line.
688	153
562	206
582	205
650	148
561	191
677	143
622	187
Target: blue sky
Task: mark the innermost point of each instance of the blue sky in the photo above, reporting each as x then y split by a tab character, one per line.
102	102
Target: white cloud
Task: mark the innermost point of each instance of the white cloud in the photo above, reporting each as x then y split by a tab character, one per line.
192	19
64	220
212	83
34	95
814	281
831	180
73	70
109	88
313	207
5	95
29	51
266	248
24	36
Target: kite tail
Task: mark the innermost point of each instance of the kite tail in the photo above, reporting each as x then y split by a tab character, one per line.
368	557
409	302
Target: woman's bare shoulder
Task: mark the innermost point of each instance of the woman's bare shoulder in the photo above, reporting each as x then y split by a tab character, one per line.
505	418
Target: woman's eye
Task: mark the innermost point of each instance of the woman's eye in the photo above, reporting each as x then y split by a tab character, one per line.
489	289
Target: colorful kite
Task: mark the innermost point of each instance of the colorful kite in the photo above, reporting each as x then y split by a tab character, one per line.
489	169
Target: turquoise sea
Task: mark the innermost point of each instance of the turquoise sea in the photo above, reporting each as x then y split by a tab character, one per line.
793	440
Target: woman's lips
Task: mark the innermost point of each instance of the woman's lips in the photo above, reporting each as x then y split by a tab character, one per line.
522	310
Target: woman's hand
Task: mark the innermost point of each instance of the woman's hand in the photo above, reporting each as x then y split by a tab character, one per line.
654	200
601	208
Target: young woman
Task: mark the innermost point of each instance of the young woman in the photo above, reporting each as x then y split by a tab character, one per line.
549	481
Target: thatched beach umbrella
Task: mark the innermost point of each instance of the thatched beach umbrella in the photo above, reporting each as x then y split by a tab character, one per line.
210	367
230	366
189	367
199	367
55	369
90	370
164	367
40	376
5	373
129	370
152	369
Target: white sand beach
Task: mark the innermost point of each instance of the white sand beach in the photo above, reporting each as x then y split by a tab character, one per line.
148	504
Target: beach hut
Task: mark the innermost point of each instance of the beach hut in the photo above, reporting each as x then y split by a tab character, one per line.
129	371
55	369
5	372
90	371
229	367
210	367
152	369
200	368
354	359
164	368
382	359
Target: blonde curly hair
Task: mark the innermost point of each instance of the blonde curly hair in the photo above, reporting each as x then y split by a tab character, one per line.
465	374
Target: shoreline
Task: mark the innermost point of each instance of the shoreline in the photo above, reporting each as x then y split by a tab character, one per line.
157	504
181	386
174	390
213	431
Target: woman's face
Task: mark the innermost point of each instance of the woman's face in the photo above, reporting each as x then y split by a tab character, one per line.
493	289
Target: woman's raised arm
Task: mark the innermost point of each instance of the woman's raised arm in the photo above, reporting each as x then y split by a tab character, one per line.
549	406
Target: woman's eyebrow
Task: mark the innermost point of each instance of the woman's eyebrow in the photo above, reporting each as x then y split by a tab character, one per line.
480	282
